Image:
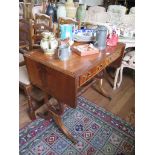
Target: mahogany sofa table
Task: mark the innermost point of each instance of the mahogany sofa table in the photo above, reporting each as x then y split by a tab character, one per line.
66	80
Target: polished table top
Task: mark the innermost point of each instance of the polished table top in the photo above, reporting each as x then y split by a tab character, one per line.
76	65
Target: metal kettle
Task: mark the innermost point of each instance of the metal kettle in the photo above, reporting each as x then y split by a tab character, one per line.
101	37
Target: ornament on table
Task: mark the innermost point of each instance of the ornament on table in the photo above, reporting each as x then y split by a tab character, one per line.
112	39
52	10
81	12
70	9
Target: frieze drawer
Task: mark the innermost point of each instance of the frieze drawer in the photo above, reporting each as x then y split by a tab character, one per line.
112	58
91	73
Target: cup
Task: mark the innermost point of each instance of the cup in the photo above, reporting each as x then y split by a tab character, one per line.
64	52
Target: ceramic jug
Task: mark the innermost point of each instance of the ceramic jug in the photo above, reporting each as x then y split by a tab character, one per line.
48	43
51	11
55	12
61	11
66	31
101	37
64	52
70	9
81	12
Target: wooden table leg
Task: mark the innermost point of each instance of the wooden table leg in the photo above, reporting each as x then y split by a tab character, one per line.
101	89
27	90
62	127
55	112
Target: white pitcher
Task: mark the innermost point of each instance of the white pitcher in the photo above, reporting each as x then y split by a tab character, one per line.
48	43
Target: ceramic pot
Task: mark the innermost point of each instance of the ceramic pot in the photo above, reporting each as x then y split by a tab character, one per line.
81	12
70	9
61	11
51	11
66	31
48	43
64	52
55	12
76	4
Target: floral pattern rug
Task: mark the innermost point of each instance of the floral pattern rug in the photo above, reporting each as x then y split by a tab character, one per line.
98	133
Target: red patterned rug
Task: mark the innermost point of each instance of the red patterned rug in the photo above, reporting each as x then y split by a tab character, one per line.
98	133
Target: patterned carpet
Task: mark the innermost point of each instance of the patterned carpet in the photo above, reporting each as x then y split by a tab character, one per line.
98	133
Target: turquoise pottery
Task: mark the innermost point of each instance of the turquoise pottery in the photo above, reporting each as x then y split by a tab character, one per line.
66	31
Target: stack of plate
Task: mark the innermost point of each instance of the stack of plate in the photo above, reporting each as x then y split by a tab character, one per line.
84	35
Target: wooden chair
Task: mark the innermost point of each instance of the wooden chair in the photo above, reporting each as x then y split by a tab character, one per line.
21	60
128	21
29	36
37	10
25	84
61	20
24	46
128	62
25	10
41	23
24	35
43	19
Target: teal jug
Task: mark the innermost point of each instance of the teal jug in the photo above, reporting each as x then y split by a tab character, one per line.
66	31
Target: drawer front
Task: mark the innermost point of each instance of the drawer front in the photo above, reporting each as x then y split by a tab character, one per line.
91	73
95	70
110	59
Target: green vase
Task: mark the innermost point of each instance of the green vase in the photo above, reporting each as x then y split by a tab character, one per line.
81	12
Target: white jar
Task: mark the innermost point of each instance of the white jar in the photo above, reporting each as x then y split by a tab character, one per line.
61	11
